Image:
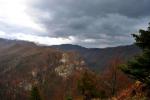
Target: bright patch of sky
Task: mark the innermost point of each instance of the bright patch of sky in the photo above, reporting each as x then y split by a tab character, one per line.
44	40
14	13
89	23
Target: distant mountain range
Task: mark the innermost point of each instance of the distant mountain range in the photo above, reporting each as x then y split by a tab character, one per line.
24	64
54	69
96	58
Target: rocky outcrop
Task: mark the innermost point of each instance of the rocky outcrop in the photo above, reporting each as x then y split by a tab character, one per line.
69	64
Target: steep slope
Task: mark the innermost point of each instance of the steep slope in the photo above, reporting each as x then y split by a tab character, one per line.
23	65
97	59
55	70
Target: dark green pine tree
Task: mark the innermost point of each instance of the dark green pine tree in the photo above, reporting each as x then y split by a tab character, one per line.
139	67
35	94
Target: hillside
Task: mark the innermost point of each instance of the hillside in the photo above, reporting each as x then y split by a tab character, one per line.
55	70
97	58
24	64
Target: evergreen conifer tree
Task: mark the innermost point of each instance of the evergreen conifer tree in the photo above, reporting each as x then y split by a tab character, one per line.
35	94
139	67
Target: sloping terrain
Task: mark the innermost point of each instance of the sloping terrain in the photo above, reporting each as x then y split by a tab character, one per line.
97	59
55	70
23	65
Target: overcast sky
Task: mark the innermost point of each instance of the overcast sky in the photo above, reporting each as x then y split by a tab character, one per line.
90	23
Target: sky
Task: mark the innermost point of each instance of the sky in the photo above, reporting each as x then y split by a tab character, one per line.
89	23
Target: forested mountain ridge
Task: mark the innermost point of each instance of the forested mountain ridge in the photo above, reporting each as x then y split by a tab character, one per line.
24	64
98	58
56	70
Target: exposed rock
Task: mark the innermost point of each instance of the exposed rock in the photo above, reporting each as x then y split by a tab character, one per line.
70	64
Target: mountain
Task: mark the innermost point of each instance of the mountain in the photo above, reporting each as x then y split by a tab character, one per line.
24	64
25	56
98	58
55	70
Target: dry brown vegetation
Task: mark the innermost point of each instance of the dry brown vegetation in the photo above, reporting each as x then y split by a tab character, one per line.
58	75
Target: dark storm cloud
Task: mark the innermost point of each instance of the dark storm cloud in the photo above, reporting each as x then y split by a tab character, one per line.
101	22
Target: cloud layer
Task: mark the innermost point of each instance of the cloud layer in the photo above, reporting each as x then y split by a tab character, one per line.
91	23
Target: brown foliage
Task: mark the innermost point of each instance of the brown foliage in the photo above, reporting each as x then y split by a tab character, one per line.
114	79
136	91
